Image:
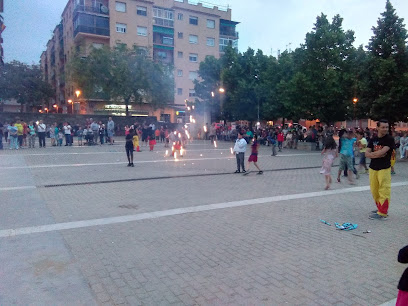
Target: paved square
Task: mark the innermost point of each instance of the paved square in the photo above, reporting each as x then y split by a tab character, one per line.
78	227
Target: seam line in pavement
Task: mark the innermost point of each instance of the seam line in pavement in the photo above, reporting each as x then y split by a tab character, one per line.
170	160
176	211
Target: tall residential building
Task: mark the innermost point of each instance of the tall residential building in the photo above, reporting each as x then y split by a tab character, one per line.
177	32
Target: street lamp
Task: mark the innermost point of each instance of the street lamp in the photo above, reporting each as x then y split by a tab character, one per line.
221	90
72	106
355	100
77	93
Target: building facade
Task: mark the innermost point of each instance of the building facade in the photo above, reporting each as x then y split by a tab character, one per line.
176	32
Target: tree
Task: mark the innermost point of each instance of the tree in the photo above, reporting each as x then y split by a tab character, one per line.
384	87
323	84
24	83
124	75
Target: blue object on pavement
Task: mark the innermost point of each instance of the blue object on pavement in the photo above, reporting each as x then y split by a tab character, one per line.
325	222
346	226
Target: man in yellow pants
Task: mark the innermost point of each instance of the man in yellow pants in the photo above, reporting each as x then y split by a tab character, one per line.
379	150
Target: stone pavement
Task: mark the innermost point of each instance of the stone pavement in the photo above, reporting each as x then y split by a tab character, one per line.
198	234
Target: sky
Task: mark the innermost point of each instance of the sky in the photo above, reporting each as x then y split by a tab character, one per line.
269	25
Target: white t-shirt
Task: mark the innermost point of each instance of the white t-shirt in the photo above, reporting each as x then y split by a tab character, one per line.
41	128
67	129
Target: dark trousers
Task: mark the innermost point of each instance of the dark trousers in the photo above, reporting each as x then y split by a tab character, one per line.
20	140
240	161
67	139
41	139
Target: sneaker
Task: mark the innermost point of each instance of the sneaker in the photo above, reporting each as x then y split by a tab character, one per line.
377	217
393	172
243	171
237	171
129	164
132	165
374	211
260	172
246	172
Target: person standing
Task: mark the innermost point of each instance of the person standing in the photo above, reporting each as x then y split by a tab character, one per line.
12	129
20	130
67	132
129	147
403	145
1	136
330	153
110	126
95	131
41	128
254	156
31	135
239	150
362	145
402	298
379	150
281	139
346	155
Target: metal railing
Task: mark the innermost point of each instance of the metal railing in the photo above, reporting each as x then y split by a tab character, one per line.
230	34
92	9
91	30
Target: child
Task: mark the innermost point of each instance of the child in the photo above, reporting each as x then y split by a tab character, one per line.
129	147
136	142
60	138
152	141
402	298
80	135
176	148
393	158
254	156
330	153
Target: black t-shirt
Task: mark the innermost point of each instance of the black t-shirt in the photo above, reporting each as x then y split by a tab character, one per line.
376	144
129	139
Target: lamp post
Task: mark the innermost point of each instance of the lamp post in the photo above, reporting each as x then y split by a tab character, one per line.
72	106
355	100
77	93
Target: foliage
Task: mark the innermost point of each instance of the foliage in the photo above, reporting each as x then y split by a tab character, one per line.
384	85
24	83
123	75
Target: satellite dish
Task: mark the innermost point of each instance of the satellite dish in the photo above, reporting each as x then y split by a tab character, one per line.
104	9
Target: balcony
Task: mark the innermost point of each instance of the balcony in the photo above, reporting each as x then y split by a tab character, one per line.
91	30
101	9
232	34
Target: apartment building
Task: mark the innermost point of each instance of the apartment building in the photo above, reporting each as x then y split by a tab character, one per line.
176	32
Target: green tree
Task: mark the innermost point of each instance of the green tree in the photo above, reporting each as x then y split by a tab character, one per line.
24	83
322	86
124	75
384	87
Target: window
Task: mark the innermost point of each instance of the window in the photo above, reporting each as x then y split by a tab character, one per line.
180	54
210	41
162	54
179	91
120	27
193	75
180	16
191	93
167	40
121	7
193	39
193	57
163	17
141	31
179	72
142	11
210	23
194	20
97	45
180	34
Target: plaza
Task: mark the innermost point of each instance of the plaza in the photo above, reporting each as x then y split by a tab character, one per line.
78	227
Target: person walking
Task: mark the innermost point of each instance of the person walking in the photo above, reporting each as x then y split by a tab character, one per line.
239	150
379	150
41	129
110	126
346	156
254	156
330	154
281	139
